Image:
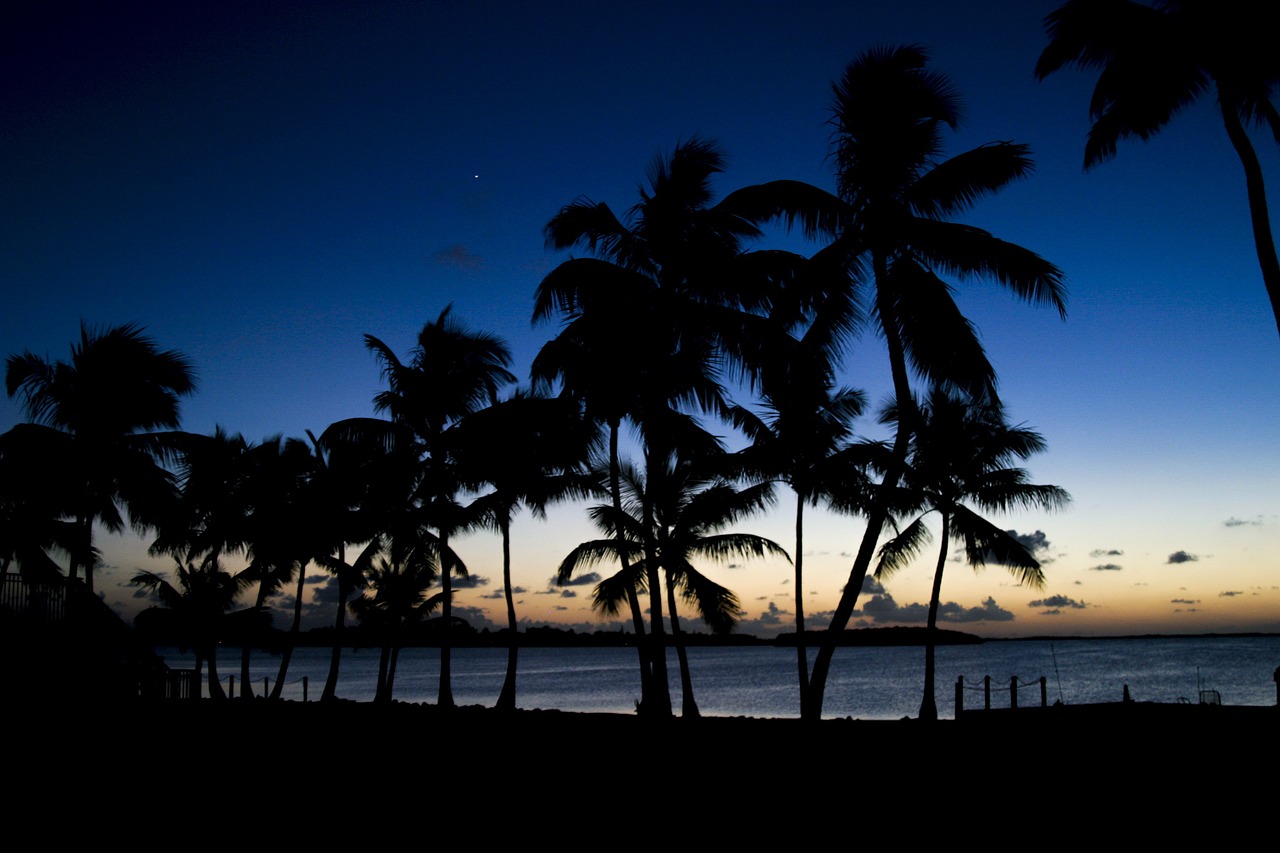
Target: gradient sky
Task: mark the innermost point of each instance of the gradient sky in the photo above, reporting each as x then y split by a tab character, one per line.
261	184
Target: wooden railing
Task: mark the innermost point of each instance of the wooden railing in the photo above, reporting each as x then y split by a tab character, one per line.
1014	686
44	602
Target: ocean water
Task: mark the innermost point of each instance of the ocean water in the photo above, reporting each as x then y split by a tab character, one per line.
864	683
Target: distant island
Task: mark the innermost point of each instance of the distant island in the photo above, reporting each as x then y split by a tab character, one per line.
428	635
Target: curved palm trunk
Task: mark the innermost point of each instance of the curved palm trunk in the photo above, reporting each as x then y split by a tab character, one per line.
85	555
688	707
507	698
929	704
879	513
445	697
802	653
215	682
294	630
246	689
382	693
391	669
633	598
1260	220
330	691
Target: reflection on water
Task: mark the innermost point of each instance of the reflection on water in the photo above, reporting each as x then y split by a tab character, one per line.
865	683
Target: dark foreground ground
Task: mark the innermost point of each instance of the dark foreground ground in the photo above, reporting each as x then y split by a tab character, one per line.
330	771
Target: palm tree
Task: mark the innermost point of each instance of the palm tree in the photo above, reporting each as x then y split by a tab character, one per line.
1155	60
397	599
105	405
803	438
197	611
891	219
674	513
661	306
34	507
280	541
451	373
960	464
360	481
529	451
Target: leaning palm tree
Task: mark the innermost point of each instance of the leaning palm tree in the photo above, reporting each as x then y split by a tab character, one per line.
452	372
960	464
110	407
893	229
1155	60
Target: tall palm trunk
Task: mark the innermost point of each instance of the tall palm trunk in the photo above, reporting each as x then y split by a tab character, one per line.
445	696
659	686
507	698
330	691
802	653
294	630
688	707
246	643
929	704
879	512
633	598
1263	240
215	682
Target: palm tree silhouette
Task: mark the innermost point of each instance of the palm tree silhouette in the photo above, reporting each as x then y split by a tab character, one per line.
197	611
108	405
893	229
531	451
651	319
280	541
1155	60
35	487
960	464
395	600
674	512
452	372
804	438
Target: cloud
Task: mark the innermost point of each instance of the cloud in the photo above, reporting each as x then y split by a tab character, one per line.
1182	557
568	593
1106	552
588	579
1106	567
1035	543
1184	601
459	257
882	608
1241	522
1230	593
470	582
1058	602
870	586
474	616
500	592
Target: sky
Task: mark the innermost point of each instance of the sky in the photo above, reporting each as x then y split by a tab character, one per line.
261	184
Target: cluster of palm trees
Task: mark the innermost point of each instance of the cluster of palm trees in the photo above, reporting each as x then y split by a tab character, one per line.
666	308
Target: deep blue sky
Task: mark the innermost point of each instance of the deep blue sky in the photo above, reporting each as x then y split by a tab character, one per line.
261	184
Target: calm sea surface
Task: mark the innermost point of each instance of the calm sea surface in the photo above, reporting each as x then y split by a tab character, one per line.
865	683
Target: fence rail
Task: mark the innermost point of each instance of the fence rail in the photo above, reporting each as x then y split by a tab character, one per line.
1014	686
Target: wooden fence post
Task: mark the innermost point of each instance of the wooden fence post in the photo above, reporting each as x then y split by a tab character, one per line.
1013	692
1044	693
959	696
986	692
